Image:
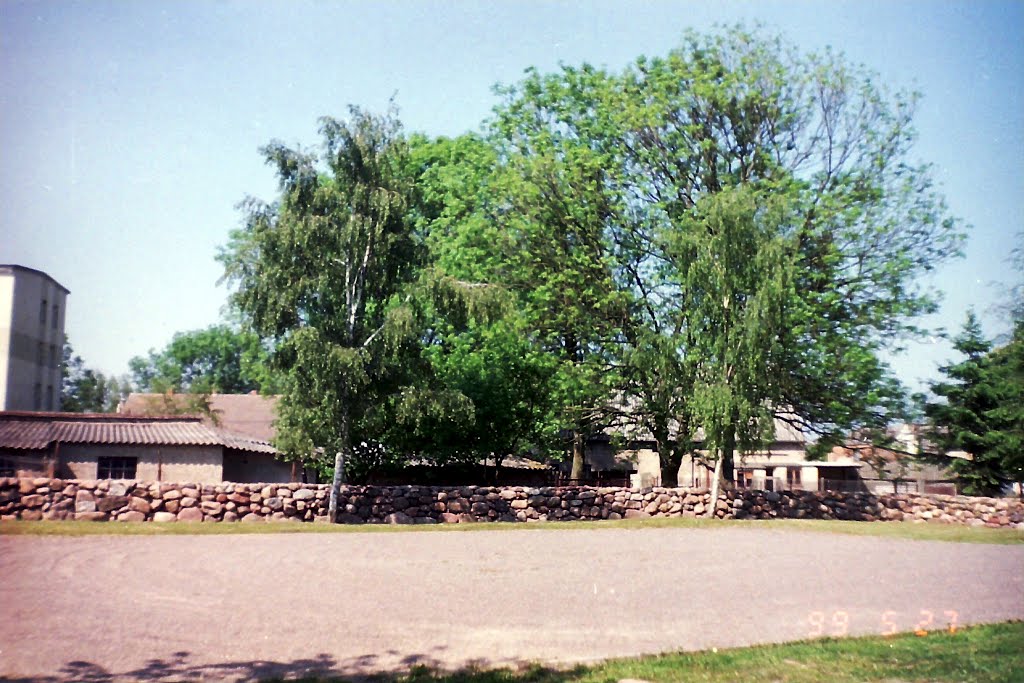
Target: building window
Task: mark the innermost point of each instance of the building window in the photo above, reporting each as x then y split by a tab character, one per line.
53	319
42	312
793	477
49	397
7	468
40	354
116	468
53	356
37	397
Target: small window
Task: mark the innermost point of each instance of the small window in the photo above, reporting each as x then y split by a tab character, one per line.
49	397
37	397
40	354
42	312
53	356
53	318
116	468
7	468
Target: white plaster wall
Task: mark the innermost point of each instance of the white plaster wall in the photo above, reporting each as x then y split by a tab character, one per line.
6	314
197	464
256	467
22	334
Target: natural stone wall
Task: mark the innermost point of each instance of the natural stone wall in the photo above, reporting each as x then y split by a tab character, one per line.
44	498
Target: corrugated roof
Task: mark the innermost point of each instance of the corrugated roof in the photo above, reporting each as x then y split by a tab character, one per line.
245	443
37	431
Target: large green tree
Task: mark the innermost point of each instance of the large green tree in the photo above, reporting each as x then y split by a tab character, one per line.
968	418
489	360
618	169
333	274
736	277
557	200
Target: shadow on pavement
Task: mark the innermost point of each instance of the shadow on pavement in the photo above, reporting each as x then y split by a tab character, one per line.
415	668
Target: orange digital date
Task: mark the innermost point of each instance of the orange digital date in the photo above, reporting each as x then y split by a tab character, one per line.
837	624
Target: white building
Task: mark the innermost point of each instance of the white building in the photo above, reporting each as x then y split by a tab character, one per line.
31	339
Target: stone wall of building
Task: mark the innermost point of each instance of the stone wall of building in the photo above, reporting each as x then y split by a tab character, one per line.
43	498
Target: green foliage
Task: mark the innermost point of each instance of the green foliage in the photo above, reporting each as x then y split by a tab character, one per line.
743	109
85	390
507	382
981	414
218	359
740	214
496	384
326	273
558	200
1006	440
735	269
695	244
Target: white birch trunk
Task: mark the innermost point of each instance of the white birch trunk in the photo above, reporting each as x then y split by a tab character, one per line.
714	487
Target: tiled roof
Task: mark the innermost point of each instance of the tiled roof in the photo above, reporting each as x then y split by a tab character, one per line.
251	415
36	431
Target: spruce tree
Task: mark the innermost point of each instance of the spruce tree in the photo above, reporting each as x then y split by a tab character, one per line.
966	421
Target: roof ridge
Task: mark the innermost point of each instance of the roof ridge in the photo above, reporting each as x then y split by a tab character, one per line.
40	416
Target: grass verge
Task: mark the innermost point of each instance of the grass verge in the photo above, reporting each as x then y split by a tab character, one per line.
981	654
904	530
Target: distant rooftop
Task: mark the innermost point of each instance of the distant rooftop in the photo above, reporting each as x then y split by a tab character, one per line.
10	268
35	431
250	414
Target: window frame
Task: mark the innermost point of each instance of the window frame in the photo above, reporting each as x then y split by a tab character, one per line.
111	465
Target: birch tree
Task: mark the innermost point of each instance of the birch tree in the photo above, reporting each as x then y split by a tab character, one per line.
327	272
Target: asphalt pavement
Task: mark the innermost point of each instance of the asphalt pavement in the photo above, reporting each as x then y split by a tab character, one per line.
247	607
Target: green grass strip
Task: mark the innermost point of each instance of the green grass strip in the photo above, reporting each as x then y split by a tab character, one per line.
933	531
980	654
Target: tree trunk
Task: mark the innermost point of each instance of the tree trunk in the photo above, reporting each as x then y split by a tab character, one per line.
713	503
728	453
339	479
670	459
578	456
497	469
339	468
670	471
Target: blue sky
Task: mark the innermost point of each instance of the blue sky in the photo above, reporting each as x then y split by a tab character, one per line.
129	131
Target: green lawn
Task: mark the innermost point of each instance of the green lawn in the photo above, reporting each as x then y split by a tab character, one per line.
929	532
980	654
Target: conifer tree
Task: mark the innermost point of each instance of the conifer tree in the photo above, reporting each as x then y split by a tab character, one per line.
967	419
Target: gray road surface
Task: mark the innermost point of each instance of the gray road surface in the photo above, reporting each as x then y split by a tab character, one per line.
247	607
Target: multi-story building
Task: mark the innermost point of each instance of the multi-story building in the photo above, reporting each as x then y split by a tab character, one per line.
31	339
